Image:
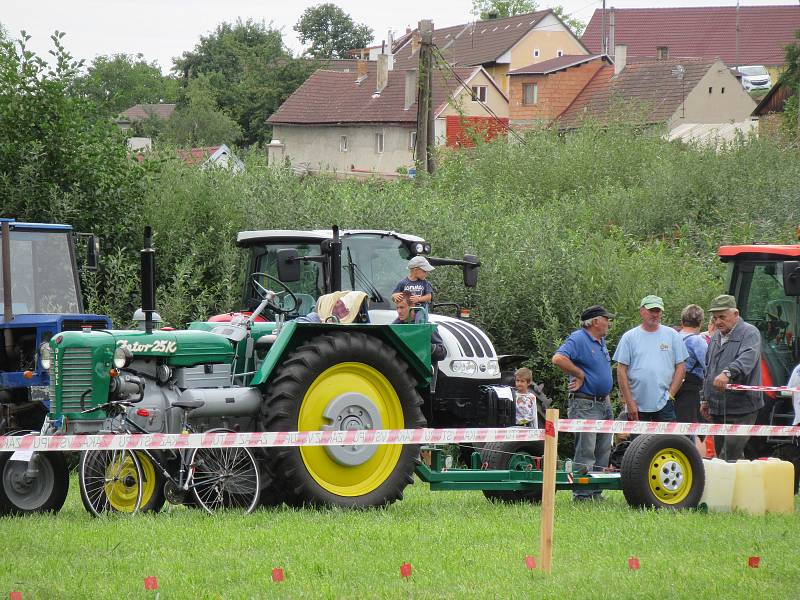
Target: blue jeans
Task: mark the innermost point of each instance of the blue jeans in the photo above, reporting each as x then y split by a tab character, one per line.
667	413
591	449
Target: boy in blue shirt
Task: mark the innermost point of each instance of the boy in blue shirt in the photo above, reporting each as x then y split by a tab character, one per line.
416	284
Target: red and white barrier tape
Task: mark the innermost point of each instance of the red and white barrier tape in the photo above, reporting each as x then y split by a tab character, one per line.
761	388
271	439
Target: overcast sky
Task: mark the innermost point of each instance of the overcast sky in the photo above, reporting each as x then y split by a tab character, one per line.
163	29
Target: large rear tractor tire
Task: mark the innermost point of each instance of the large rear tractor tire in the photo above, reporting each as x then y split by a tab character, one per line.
343	381
35	486
511	456
662	471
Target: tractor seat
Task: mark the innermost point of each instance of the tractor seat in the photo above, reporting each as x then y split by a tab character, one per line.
188	404
263	343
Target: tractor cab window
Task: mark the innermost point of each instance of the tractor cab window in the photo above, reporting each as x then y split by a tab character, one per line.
374	264
308	288
42	273
764	303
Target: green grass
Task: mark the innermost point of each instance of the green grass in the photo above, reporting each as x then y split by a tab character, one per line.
459	544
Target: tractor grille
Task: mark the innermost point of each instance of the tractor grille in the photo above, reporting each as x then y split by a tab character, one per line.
77	325
76	378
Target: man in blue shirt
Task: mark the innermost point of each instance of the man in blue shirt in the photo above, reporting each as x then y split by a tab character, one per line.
584	357
650	365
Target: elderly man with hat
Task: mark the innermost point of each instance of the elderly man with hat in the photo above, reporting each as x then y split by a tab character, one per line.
650	365
734	356
584	357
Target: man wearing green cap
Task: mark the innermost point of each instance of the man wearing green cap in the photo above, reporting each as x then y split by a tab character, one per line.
734	356
650	365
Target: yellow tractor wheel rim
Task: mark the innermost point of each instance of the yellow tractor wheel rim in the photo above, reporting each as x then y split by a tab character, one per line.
344	378
122	483
148	478
670	476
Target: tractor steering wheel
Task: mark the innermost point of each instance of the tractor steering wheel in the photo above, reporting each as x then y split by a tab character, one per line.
262	292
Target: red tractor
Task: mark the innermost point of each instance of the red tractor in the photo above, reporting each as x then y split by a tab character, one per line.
765	279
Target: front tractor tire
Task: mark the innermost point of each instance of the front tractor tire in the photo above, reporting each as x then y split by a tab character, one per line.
33	486
662	471
342	381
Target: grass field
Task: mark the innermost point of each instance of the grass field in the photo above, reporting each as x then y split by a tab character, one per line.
459	545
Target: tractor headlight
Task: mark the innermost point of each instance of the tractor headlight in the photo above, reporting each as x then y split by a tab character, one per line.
419	248
122	357
464	367
493	368
46	355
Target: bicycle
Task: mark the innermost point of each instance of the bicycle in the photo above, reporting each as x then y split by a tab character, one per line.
129	481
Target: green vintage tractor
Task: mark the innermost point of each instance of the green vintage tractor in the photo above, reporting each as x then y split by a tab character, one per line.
250	375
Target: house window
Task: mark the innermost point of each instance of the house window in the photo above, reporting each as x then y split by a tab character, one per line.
342	143
479	93
530	93
662	52
722	90
379	143
412	140
559	52
709	89
536	53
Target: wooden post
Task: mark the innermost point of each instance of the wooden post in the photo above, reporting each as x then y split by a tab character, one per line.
549	488
425	133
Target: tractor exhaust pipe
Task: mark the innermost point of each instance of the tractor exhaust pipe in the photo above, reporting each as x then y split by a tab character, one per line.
147	256
8	312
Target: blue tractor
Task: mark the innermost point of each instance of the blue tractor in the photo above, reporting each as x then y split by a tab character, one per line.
41	297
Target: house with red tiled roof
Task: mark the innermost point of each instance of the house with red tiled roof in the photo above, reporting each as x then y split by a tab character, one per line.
207	156
497	45
670	93
142	112
366	121
702	32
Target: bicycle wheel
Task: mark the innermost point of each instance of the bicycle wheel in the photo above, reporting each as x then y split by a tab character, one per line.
110	481
225	478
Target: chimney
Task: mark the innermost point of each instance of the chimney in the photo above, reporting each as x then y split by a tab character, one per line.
620	58
383	73
411	88
416	41
361	70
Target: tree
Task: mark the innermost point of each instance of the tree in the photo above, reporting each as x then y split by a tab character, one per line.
576	25
60	161
117	82
791	78
484	9
331	32
200	122
244	64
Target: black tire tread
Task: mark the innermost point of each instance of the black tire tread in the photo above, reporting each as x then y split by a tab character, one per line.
292	482
58	493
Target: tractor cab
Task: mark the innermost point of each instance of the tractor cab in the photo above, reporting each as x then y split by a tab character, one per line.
765	279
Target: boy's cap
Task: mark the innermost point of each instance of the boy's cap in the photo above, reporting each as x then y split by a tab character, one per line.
595	311
722	302
652	301
420	262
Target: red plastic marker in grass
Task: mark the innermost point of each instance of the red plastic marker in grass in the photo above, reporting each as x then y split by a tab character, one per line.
633	563
405	570
277	574
530	562
151	583
14	595
753	562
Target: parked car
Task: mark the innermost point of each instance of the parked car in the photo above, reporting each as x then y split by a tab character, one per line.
754	77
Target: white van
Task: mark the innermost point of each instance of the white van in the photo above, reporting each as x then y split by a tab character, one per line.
754	77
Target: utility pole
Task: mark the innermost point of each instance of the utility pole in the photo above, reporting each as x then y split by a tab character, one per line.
603	48
738	62
425	129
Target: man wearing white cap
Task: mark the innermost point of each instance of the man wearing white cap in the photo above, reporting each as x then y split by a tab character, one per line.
416	284
650	365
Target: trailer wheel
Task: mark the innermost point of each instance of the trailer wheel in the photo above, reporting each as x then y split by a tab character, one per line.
512	456
38	485
343	381
662	471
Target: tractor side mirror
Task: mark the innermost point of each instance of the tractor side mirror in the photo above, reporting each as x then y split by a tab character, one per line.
288	265
471	270
791	277
92	253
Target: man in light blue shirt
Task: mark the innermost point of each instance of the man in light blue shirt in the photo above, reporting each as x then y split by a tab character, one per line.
650	365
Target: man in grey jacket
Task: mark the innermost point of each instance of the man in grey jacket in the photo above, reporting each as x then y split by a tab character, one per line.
734	356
